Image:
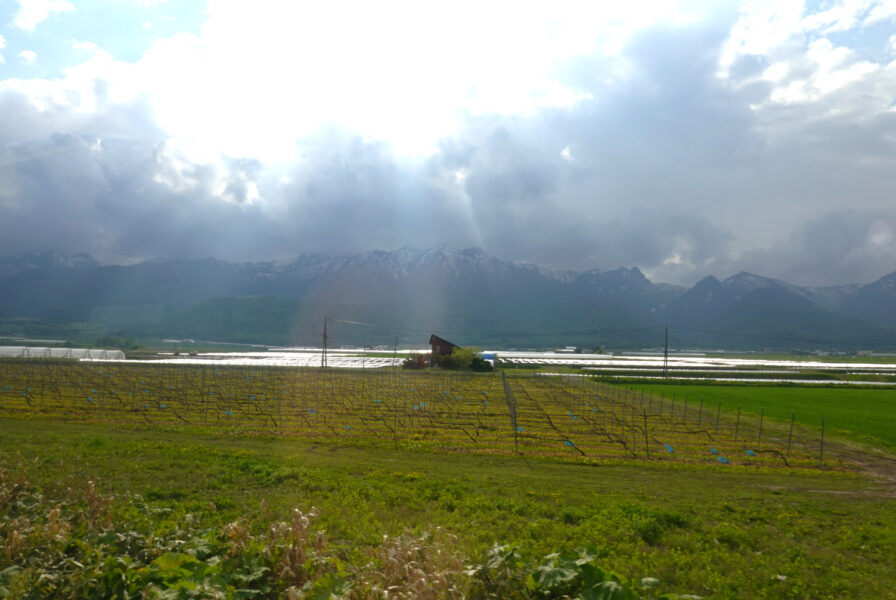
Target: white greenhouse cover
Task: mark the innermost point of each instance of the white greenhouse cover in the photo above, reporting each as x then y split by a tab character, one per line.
72	353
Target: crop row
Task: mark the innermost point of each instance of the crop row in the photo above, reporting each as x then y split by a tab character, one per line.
534	415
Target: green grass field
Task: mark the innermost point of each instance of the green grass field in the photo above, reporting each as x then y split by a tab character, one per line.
738	533
865	414
178	482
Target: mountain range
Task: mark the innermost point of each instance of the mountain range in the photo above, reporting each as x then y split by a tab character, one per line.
467	296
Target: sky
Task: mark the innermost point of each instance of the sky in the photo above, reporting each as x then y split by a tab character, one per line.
683	138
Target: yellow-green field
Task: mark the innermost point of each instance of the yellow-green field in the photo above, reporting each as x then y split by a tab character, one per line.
533	415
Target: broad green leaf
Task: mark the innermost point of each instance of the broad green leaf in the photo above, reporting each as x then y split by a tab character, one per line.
550	577
592	575
608	590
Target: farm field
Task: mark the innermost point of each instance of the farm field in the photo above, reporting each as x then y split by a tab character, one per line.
530	414
736	533
866	414
167	472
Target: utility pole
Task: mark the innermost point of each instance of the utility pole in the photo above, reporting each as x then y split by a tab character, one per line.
323	354
666	355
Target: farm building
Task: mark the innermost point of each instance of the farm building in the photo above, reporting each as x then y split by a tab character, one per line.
70	353
441	347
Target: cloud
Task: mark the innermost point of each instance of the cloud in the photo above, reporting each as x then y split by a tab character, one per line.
797	53
241	183
685	145
2	46
33	12
28	56
841	246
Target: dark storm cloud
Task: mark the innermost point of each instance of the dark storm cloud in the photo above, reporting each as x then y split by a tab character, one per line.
676	172
104	186
111	186
646	160
844	246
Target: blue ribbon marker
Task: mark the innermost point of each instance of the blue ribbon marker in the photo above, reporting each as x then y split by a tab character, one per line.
669	448
722	459
713	450
750	452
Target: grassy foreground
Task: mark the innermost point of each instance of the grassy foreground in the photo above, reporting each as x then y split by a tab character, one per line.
740	532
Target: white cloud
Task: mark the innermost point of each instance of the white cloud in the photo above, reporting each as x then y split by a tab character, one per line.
830	68
89	47
146	25
802	64
300	66
33	12
881	12
837	66
839	17
82	88
773	29
761	29
28	56
2	46
400	71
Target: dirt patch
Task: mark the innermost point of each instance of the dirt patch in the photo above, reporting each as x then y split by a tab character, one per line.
879	466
